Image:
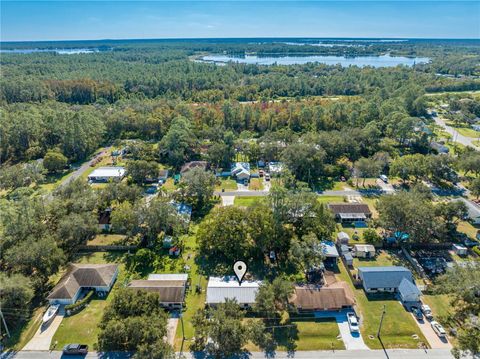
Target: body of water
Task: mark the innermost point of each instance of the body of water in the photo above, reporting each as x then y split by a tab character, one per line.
361	61
58	51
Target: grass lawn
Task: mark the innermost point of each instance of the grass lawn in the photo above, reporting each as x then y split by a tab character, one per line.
226	184
383	258
440	304
169	185
398	325
247	201
464	130
468	229
53	180
256	184
106	239
330	199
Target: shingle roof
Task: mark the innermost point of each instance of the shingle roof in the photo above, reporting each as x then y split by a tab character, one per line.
384	277
349	208
83	275
335	296
170	291
219	289
193	164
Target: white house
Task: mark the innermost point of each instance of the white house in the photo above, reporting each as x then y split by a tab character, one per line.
99	277
219	289
106	174
171	288
241	171
363	251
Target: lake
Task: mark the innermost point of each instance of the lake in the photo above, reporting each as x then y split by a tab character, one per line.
360	61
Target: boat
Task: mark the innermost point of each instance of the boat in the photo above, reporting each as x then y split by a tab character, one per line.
50	313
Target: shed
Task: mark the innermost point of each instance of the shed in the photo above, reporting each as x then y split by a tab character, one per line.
343	238
460	250
363	251
347	256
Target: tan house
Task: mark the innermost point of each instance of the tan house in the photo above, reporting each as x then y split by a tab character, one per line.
335	296
363	251
350	212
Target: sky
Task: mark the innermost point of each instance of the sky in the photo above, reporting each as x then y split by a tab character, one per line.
89	20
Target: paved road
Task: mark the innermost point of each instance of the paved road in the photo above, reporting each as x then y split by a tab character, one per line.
339	193
85	166
456	136
339	354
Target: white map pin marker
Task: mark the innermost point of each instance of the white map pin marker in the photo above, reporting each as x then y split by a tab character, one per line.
240	268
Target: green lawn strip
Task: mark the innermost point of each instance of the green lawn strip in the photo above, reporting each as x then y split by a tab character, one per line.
247	201
169	185
398	325
464	130
330	199
383	258
107	239
440	304
226	184
468	229
22	334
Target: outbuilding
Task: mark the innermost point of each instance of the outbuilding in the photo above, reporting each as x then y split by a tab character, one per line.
342	238
460	250
363	251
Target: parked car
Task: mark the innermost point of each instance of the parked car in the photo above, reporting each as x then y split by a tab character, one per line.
384	178
353	322
417	313
75	349
267	177
427	311
437	328
261	173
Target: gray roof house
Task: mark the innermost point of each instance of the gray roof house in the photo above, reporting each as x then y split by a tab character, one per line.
383	279
408	292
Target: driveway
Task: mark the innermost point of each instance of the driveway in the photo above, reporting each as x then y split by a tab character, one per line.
43	337
456	136
352	341
432	338
228	200
386	187
172	328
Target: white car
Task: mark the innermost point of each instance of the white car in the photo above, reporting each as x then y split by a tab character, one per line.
384	178
427	311
353	322
437	328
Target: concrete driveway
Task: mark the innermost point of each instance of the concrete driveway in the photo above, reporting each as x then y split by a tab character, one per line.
352	341
172	328
228	200
432	338
44	335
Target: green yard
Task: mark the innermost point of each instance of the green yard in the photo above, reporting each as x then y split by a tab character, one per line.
226	184
468	229
256	184
398	328
330	199
247	201
107	239
22	334
440	304
383	258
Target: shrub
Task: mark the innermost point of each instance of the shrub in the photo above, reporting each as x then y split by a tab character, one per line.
77	306
476	250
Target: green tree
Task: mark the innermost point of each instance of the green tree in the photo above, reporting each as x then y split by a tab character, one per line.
54	161
141	170
371	236
177	146
367	167
475	187
197	187
16	294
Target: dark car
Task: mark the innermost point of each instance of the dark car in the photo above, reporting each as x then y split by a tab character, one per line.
75	349
417	313
469	243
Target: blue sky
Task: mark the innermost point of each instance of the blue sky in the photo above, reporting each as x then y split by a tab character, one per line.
78	20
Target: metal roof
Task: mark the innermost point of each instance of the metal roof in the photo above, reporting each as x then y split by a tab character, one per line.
407	289
221	288
108	172
384	277
329	249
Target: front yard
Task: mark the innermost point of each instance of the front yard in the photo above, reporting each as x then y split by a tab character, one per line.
226	184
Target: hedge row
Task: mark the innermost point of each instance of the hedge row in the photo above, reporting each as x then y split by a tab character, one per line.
476	250
81	303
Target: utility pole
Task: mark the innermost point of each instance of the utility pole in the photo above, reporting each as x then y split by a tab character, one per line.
381	321
3	320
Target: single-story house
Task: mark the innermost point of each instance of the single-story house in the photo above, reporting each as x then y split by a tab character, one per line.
220	289
170	287
193	164
383	279
350	212
99	277
408	292
330	252
241	171
342	238
104	219
106	174
363	251
275	168
347	256
473	214
336	296
460	250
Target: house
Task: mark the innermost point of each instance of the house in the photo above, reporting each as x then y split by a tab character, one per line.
183	210
383	279
363	251
335	296
241	171
275	168
473	214
107	174
104	219
221	288
80	277
162	176
170	287
193	164
440	148
460	250
350	212
408	292
330	252
342	238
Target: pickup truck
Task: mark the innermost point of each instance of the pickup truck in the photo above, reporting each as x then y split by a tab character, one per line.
75	349
427	312
353	322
